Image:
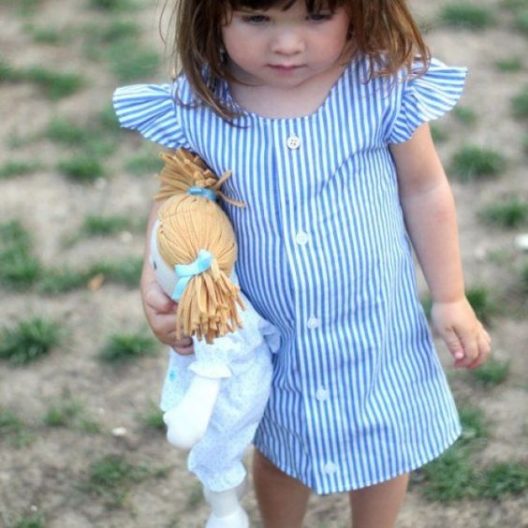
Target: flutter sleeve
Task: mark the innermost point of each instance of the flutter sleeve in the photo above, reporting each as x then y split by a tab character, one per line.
152	110
425	97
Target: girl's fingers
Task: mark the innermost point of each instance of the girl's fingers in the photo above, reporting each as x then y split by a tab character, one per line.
484	341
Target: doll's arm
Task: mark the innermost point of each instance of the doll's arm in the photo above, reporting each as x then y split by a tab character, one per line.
188	421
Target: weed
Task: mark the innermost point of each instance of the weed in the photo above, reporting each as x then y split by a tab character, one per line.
450	477
99	37
44	35
104	225
126	271
33	521
521	21
520	104
55	85
473	162
107	120
66	132
17	168
63	413
195	497
113	5
492	373
19	269
29	340
152	418
142	64
13	430
509	65
53	282
465	115
467	16
438	134
473	425
144	163
510	213
122	348
506	478
480	299
8	73
82	169
111	478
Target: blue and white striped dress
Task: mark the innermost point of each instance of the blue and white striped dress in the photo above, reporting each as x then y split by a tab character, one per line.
359	395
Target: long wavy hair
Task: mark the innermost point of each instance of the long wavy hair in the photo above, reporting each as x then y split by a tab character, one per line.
383	31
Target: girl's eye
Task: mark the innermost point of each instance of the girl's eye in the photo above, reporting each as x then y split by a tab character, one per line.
319	17
255	19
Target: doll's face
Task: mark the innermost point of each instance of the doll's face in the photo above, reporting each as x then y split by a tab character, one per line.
165	275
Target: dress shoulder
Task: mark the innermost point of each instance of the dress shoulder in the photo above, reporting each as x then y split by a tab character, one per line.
154	110
426	96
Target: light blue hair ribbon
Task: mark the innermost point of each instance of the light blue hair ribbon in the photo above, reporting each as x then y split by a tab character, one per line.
203	192
186	272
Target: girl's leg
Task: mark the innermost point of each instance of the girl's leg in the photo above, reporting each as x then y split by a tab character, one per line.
378	506
282	500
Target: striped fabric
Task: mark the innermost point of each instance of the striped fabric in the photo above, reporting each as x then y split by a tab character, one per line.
359	395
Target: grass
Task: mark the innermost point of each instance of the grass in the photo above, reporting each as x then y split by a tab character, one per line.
142	64
509	65
11	169
29	340
492	373
465	115
112	5
19	268
152	418
13	430
438	133
111	477
521	21
94	225
502	479
473	424
509	213
82	169
55	85
450	477
480	299
47	35
520	104
33	521
70	413
126	272
97	37
144	163
474	163
466	16
122	348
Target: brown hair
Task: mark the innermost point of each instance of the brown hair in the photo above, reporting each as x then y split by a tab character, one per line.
383	31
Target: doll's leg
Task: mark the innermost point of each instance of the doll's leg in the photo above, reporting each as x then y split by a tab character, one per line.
378	506
226	511
188	421
282	500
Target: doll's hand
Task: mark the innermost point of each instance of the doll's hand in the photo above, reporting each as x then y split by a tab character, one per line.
187	422
465	337
160	311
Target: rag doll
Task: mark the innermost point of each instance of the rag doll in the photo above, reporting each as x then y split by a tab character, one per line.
213	399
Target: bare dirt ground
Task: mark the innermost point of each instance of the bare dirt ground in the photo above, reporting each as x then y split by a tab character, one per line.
46	475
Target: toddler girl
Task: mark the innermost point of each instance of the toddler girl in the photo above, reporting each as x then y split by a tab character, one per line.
320	110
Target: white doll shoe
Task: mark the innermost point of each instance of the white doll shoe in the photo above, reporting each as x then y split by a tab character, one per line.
236	519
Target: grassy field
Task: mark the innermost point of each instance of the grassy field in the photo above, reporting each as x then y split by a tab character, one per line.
81	438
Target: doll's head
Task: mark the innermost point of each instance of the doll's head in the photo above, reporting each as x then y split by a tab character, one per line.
381	30
193	249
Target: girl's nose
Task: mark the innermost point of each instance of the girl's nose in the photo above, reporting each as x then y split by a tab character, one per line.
287	42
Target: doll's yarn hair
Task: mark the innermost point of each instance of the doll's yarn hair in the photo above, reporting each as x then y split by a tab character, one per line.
187	224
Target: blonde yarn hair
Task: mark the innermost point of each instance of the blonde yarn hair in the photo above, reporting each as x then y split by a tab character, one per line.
187	224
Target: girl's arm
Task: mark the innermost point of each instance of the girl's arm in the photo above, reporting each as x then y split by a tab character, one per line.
159	309
429	211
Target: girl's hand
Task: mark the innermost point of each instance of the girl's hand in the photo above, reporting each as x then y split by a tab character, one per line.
462	332
160	311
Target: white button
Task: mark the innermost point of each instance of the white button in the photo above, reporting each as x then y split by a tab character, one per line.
322	394
313	322
330	468
302	238
293	142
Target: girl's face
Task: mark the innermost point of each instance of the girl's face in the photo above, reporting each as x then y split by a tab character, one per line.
285	48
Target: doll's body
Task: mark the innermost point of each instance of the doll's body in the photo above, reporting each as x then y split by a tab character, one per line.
214	399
